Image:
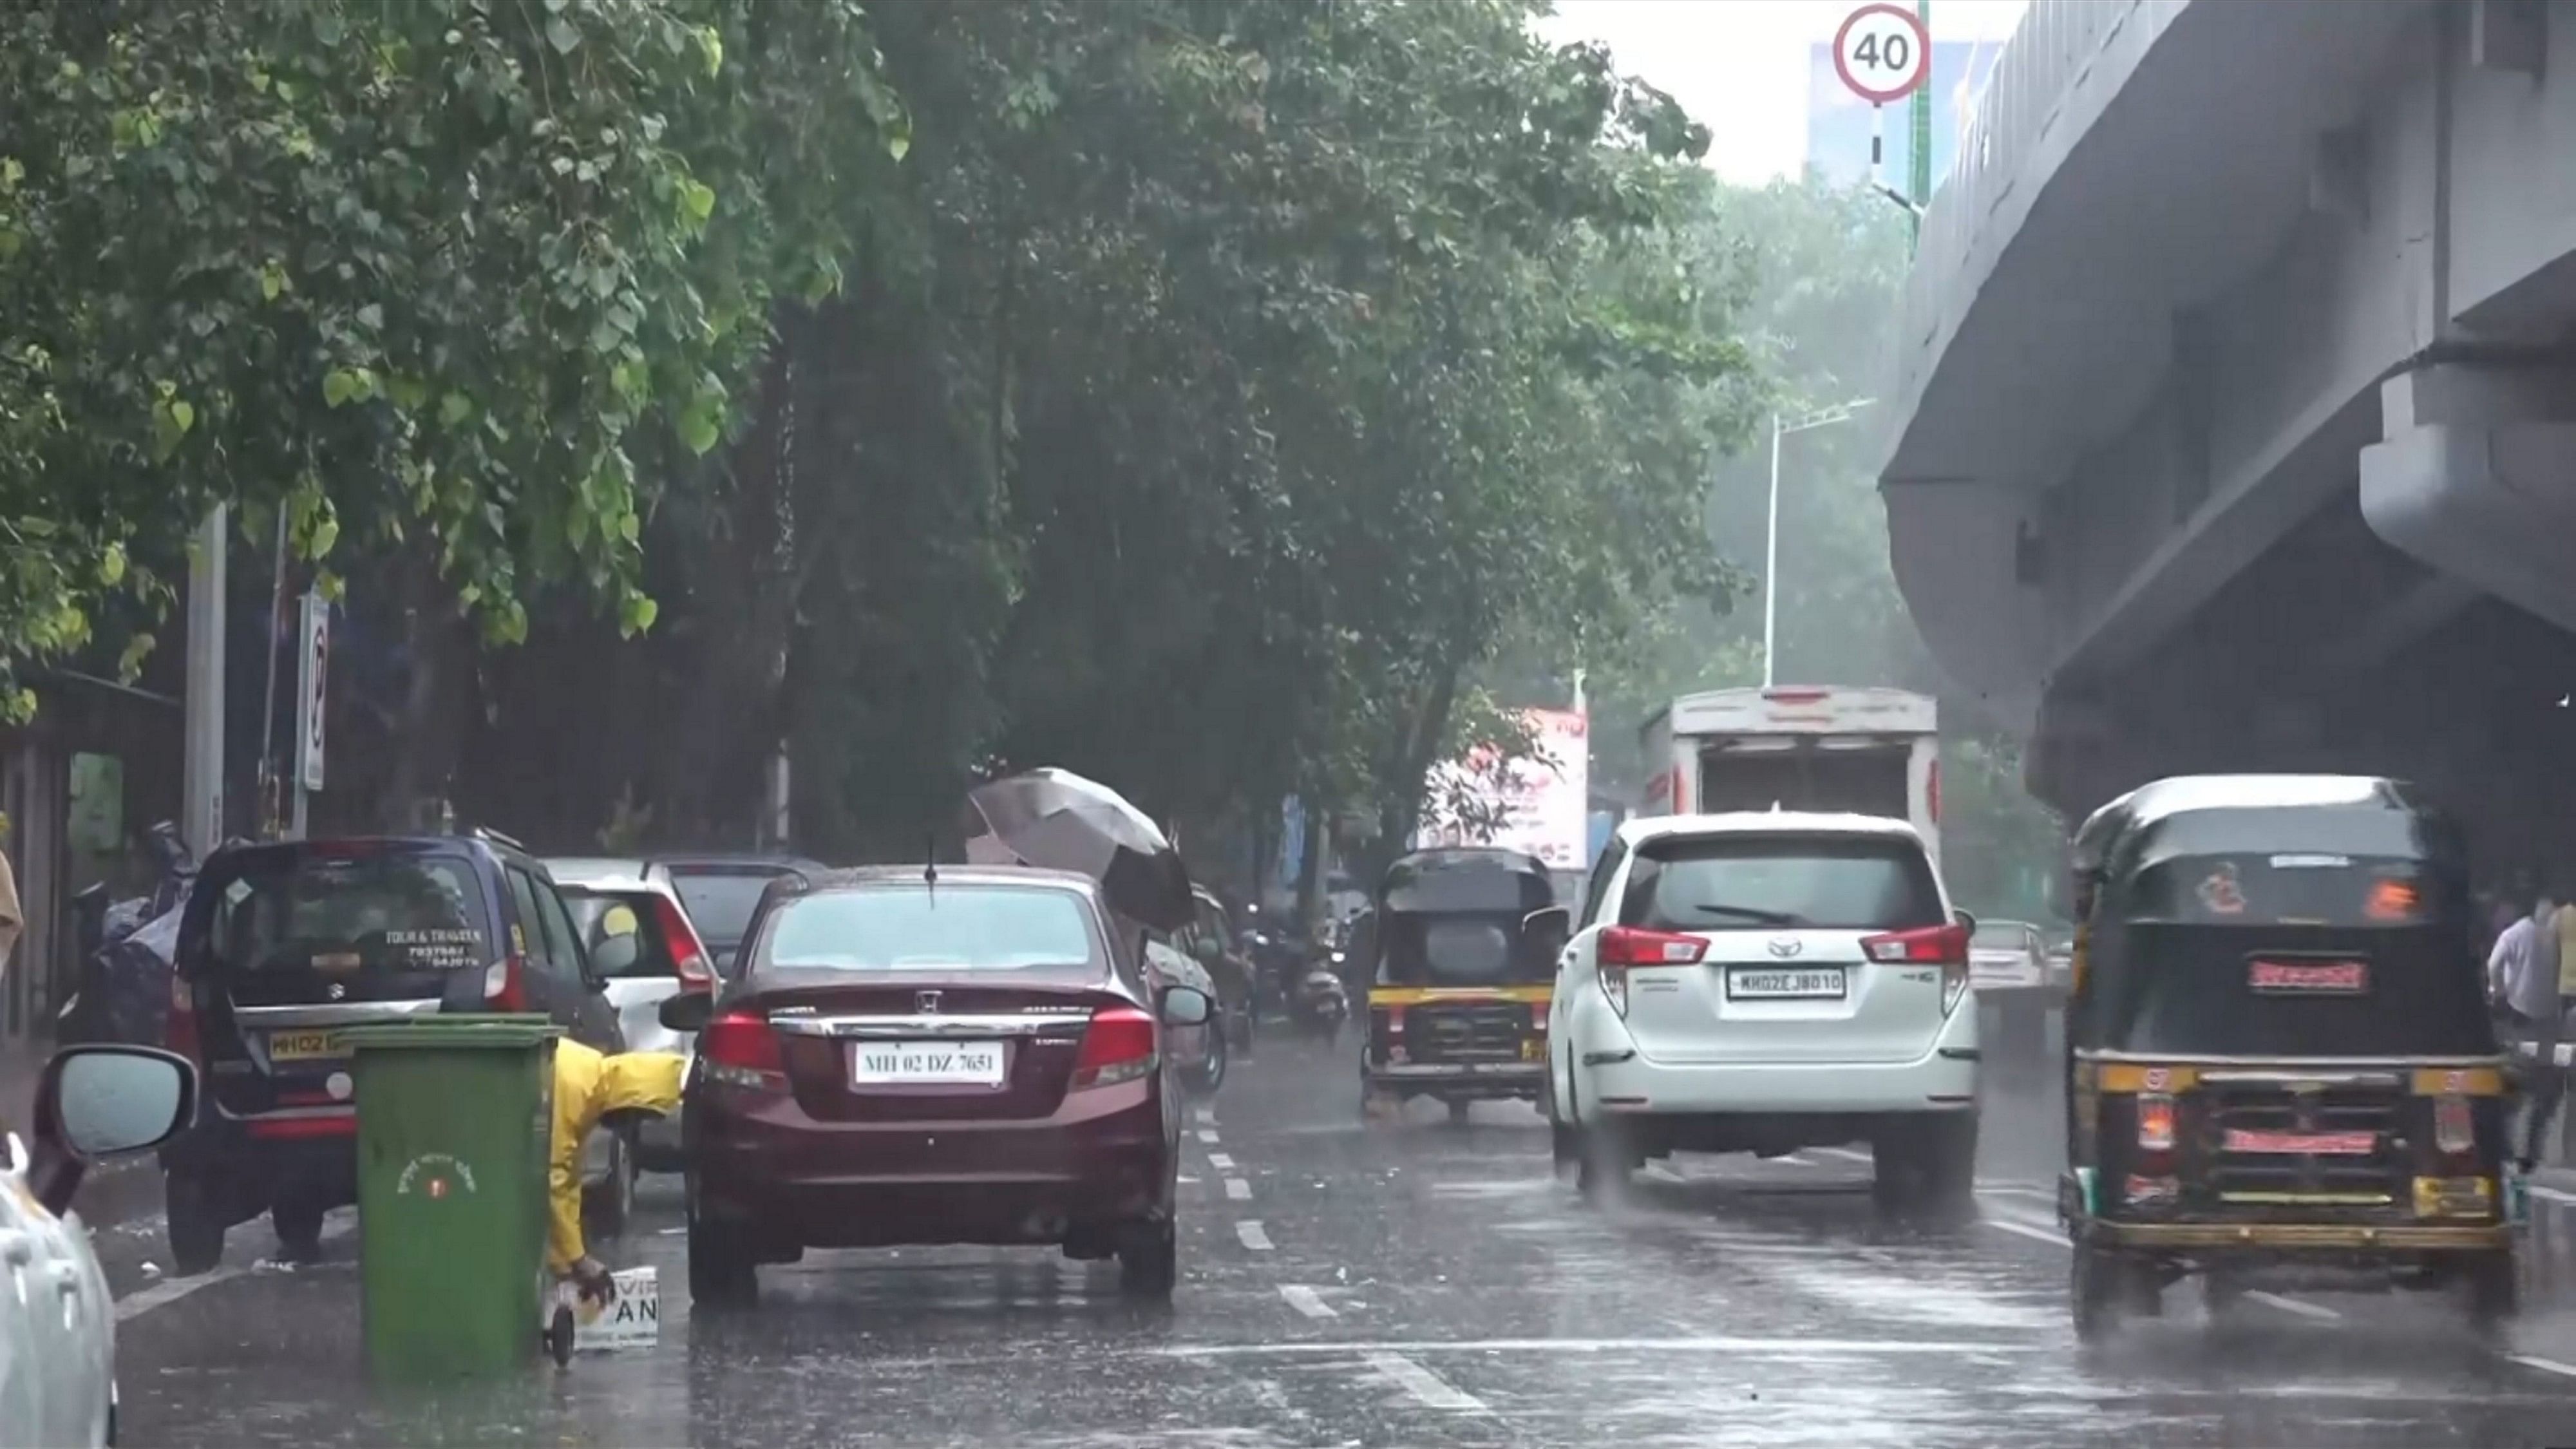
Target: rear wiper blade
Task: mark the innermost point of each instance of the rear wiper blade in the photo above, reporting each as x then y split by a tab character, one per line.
1750	913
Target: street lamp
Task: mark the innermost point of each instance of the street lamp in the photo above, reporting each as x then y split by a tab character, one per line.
1781	428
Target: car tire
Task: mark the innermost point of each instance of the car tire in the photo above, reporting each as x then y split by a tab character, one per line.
1204	1078
298	1222
196	1228
722	1272
1602	1162
1926	1163
606	1207
1149	1261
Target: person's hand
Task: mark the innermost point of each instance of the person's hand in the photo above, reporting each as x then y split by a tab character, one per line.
594	1280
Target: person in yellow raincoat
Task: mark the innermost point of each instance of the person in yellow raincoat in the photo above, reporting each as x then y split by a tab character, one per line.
590	1087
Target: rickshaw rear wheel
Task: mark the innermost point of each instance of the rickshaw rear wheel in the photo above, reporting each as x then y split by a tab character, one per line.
2222	1293
2495	1291
1457	1110
2094	1291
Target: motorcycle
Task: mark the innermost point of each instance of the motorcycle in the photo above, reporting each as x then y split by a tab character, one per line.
124	989
1322	1004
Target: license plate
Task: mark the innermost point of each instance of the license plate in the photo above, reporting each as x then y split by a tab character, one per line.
2303	1144
2309	978
1774	984
305	1046
927	1063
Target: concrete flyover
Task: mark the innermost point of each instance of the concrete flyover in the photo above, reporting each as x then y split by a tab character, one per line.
2235	401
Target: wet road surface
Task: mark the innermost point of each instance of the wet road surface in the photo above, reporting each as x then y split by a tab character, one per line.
1412	1283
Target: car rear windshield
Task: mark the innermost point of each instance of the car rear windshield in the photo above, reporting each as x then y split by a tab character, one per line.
589	908
903	928
721	899
1739	882
302	912
2003	938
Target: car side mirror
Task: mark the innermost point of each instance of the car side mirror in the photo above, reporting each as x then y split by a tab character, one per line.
687	1013
101	1101
1548	918
1967	922
616	955
1186	1006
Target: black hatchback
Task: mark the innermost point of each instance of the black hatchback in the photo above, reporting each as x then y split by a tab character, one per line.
282	946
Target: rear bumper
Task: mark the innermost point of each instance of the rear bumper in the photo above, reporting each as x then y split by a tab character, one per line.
245	1174
2302	1237
757	1161
1459	1079
1618	1079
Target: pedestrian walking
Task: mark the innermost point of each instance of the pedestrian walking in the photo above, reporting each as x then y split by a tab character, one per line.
2538	998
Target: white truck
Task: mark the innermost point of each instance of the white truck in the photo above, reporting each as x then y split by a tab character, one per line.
1867	751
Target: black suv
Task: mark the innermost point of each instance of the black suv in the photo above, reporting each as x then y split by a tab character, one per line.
282	945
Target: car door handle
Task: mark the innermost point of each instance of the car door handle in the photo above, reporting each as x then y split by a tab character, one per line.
67	1279
16	1249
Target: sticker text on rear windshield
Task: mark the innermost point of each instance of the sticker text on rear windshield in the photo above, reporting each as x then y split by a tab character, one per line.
2309	978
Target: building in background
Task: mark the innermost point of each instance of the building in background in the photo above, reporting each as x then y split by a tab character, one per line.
1840	124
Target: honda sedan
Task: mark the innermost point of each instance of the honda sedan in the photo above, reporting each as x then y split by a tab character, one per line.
908	1055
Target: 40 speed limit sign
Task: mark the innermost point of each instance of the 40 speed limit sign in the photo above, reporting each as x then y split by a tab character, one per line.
1882	53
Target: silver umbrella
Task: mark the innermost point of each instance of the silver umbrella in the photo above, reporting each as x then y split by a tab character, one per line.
1059	820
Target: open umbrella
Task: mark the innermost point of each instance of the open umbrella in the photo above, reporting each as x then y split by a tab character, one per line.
1059	820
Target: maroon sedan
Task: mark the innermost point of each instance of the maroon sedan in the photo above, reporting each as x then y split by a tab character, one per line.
973	1056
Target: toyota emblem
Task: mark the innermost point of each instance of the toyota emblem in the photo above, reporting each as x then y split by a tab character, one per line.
1786	946
926	1002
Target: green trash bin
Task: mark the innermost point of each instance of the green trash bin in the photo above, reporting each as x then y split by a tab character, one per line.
453	1115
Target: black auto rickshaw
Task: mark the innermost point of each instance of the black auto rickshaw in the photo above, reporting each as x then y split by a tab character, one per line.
1459	950
2280	1069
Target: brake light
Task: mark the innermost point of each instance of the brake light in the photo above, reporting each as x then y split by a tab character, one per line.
1625	947
179	1029
1942	946
502	988
2155	1122
2455	1131
1117	1047
688	954
740	1050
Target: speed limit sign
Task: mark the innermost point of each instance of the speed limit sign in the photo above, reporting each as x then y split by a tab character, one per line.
1882	53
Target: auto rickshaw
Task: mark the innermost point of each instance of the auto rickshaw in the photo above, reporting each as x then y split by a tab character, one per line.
1459	950
2280	1070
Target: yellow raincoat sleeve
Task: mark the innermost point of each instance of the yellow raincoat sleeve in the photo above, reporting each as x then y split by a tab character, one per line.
589	1086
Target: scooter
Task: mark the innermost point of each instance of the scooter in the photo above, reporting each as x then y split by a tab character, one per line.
124	988
1322	1003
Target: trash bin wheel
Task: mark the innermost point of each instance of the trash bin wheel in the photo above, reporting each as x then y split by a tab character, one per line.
558	1335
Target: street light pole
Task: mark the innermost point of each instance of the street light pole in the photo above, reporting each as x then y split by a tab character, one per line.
1781	428
202	761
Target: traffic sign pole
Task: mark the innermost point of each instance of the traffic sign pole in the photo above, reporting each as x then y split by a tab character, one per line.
1921	188
1883	53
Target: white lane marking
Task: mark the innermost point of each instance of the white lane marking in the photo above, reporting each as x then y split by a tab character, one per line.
1207	1116
1794	1160
1845	1153
1238	1189
2554	1194
2019	1189
2028	1230
1253	1237
1208	1135
2545	1365
1220	1162
1929	1348
335	1224
2316	1311
1661	1173
1427	1388
1306	1301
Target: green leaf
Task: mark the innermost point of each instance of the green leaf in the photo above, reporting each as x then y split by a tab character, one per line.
698	431
562	36
638	615
710	49
455	408
272	280
697	199
183	414
338	386
111	565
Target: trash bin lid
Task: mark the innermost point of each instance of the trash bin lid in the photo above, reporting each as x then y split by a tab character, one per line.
451	1031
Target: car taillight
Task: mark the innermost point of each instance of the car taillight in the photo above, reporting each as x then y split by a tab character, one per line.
1117	1047
688	954
501	984
2455	1130
1624	948
739	1049
1942	946
2155	1122
179	1029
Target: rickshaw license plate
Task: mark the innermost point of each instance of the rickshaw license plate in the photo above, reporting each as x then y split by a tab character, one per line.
2304	978
1771	983
305	1046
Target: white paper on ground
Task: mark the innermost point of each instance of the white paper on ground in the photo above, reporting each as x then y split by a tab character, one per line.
633	1319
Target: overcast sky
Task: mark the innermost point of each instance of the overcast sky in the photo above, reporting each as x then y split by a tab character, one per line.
1740	66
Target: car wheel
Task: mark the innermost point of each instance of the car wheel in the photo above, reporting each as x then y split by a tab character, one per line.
1949	1168
721	1269
1602	1161
196	1229
606	1207
299	1229
1149	1261
1209	1074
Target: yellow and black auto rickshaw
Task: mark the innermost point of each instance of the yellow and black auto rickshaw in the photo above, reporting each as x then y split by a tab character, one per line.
1459	950
2280	1069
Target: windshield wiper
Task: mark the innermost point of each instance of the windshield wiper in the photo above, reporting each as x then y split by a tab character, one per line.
1751	913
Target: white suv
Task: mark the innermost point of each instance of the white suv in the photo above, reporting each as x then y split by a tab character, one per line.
1762	983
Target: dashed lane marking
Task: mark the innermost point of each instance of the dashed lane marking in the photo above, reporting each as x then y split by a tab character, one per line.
1788	1346
1220	1162
1427	1388
1307	1301
2317	1311
2027	1230
1207	1116
1208	1135
1238	1189
2545	1365
1253	1236
335	1224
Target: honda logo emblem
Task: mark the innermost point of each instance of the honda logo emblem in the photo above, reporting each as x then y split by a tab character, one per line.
1785	946
926	1002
